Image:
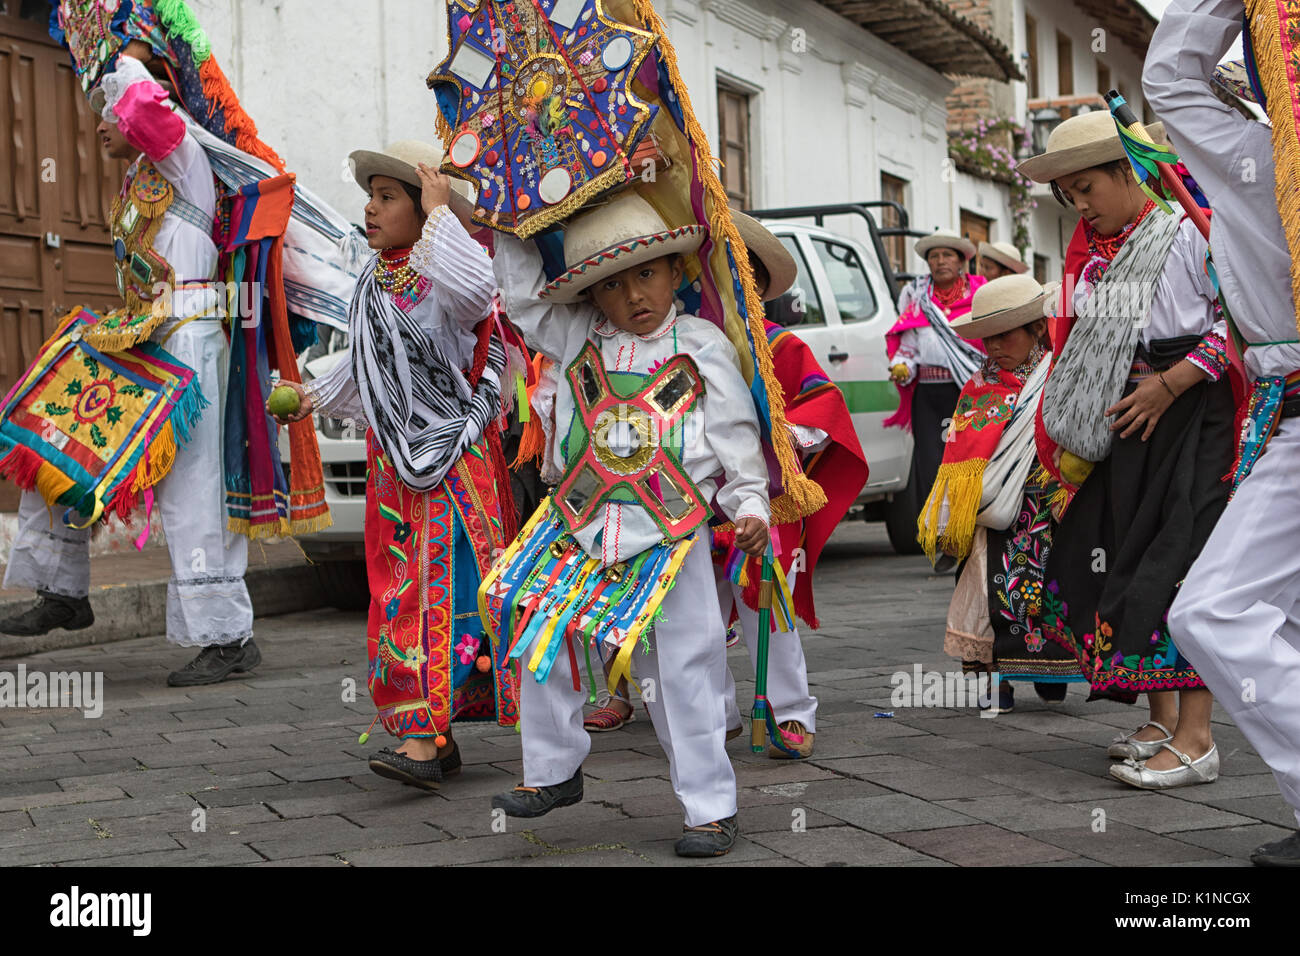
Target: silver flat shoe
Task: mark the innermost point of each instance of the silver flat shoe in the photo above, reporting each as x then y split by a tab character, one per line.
1124	747
1202	770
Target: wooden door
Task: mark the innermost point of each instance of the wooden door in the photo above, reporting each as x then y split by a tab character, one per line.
55	247
975	228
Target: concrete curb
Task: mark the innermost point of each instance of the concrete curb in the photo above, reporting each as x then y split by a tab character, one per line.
139	609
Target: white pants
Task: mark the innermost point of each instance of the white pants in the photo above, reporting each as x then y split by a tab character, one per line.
1237	615
207	601
787	671
687	663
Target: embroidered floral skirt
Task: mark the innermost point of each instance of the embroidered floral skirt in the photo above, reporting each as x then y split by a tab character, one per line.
1127	541
426	553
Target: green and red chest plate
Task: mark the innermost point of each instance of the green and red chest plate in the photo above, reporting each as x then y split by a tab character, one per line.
625	442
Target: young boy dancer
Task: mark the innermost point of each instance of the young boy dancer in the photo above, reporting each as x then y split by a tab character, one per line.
611	325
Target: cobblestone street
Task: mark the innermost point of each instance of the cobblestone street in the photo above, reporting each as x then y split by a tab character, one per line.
274	765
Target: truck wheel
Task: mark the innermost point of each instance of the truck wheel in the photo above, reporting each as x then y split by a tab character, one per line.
345	584
900	518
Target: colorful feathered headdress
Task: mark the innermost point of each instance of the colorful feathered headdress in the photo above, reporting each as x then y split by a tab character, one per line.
95	31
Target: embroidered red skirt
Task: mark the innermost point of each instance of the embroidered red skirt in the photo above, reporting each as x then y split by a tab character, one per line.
426	552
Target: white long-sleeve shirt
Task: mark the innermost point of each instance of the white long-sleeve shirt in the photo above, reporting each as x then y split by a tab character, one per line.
461	296
1183	303
1231	158
723	454
187	248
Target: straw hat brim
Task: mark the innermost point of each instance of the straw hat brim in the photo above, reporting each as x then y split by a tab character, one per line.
1004	320
1046	167
991	252
368	163
768	249
959	244
569	287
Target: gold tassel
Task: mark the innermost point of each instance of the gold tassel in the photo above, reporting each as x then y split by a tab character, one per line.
51	484
311	525
1274	70
961	484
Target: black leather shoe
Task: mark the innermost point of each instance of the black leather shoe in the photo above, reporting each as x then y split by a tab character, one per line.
534	801
711	839
1282	853
451	763
425	774
1051	691
214	664
50	611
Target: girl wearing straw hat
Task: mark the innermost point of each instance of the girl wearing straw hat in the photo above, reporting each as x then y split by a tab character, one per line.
1139	390
997	259
424	369
990	508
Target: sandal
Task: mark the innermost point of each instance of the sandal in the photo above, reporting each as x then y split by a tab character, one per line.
605	718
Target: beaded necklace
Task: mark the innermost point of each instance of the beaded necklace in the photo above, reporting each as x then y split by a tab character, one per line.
1107	247
954	293
393	271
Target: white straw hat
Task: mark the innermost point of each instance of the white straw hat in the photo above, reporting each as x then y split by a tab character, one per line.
617	235
1004	254
399	161
767	248
1081	142
1005	303
946	239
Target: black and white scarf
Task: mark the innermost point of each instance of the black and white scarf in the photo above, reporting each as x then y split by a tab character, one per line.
960	357
423	410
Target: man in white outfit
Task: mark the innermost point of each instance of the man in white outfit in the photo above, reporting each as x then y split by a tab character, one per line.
1237	616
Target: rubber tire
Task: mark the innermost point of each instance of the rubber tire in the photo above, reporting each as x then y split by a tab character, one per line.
900	518
344	584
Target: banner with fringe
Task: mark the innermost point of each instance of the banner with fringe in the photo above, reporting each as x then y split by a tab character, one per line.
93	430
556	118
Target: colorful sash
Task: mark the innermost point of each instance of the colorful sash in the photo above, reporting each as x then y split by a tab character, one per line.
93	430
545	591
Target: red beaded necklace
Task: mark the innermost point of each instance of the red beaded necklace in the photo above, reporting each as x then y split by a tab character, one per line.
953	294
1107	247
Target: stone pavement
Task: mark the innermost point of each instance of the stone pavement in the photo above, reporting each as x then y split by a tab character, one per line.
268	771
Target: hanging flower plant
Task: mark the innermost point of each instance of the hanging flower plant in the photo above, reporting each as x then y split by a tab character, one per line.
982	151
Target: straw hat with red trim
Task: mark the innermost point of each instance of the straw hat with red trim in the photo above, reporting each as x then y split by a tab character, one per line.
620	234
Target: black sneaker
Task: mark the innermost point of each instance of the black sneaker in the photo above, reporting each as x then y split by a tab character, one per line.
1053	692
712	839
50	611
1282	853
215	663
425	774
534	801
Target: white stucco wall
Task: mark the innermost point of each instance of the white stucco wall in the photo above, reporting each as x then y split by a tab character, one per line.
324	77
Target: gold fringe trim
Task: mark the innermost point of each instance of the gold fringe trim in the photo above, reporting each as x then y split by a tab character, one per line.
51	484
160	457
1270	59
961	484
119	340
806	496
311	525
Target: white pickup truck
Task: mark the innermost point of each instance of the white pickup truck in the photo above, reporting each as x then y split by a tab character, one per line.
841	305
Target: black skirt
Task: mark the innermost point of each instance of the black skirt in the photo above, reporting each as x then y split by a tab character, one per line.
932	406
1131	534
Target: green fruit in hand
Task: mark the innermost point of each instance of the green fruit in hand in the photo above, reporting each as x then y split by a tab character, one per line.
283	402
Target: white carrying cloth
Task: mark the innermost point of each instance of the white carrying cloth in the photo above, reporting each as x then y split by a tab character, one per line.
687	663
787	671
1237	615
1015	456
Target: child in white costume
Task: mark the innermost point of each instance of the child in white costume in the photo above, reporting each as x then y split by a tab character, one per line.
625	254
